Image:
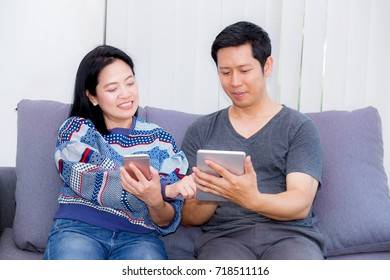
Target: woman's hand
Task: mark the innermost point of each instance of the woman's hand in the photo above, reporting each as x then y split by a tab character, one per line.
186	188
149	191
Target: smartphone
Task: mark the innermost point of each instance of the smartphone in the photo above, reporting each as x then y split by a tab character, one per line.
141	161
233	161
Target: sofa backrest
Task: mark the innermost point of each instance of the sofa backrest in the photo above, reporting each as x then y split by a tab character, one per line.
38	182
353	204
175	122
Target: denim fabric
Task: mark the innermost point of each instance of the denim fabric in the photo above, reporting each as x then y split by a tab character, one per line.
75	240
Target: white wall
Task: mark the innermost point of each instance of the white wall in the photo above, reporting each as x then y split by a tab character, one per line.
329	54
170	41
42	43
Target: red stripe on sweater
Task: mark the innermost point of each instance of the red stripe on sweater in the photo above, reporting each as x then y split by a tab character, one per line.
85	155
103	189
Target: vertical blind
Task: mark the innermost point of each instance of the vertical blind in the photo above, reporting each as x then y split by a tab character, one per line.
328	54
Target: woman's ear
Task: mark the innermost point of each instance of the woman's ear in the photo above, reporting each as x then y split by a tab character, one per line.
91	98
268	66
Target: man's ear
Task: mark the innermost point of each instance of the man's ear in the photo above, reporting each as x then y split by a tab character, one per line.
91	98
268	66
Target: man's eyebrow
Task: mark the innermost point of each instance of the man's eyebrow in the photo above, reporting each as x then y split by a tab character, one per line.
239	66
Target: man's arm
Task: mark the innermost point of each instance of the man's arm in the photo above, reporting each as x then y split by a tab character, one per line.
295	203
196	212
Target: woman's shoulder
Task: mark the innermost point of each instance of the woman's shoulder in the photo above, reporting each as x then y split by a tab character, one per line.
75	122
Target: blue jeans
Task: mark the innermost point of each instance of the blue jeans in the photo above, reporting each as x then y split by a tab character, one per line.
75	240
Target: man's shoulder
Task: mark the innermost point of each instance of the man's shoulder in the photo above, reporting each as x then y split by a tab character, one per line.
294	115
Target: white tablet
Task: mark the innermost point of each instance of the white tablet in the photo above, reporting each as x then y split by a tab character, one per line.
233	161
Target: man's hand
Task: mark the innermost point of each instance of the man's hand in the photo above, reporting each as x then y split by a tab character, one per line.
237	189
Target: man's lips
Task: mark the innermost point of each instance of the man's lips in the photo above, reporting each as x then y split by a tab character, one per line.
238	93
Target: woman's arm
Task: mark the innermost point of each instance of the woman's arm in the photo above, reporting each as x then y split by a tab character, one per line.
84	161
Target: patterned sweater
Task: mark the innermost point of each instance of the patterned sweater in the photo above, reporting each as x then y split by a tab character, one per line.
88	163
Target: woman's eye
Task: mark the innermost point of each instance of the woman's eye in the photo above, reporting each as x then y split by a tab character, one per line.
111	89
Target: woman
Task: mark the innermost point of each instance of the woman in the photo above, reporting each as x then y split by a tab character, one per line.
103	212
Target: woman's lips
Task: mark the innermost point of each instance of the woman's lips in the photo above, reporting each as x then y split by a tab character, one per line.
126	105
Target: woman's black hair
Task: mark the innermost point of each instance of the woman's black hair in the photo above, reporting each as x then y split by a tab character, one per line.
87	79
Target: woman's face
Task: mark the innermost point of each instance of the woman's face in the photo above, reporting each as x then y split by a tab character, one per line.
116	94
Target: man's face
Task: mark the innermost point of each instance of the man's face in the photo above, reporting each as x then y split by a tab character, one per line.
241	75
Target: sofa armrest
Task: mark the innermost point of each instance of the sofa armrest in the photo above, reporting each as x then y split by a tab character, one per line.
7	196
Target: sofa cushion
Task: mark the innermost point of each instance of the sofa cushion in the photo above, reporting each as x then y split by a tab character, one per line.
38	182
9	251
353	206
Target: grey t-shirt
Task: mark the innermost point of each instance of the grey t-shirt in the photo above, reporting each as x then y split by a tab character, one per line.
289	142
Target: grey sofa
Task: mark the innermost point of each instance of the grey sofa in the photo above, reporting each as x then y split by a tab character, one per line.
353	205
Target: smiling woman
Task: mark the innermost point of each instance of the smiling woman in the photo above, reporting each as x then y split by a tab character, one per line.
105	213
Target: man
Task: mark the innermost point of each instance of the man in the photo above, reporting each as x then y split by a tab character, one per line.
268	212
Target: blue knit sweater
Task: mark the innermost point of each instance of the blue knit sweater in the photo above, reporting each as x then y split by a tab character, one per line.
88	163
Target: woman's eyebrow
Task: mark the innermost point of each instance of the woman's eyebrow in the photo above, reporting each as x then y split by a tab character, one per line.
114	83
